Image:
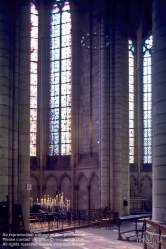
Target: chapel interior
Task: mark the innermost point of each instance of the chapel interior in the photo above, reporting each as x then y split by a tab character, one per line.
83	104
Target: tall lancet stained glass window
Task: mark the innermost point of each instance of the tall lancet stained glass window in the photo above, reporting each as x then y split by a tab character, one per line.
131	102
147	101
33	77
60	80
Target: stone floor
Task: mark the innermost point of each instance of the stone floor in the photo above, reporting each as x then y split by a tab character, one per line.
86	238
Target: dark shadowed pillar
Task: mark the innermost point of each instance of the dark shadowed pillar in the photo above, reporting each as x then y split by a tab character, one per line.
104	124
4	100
159	109
24	110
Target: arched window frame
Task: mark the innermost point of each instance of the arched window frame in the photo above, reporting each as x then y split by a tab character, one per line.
147	100
60	80
131	102
42	97
145	105
33	77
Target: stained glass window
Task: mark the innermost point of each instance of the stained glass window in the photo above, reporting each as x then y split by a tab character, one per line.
60	80
147	101
131	102
33	77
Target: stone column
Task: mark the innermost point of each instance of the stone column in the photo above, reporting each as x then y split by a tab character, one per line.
125	123
88	190
104	121
121	118
159	110
4	100
42	90
24	110
84	80
76	188
111	149
11	113
139	104
76	97
15	110
118	122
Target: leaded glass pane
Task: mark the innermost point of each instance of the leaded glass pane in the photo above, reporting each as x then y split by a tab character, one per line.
131	158
131	123
33	77
131	142
60	81
131	153
131	102
131	133
147	100
131	115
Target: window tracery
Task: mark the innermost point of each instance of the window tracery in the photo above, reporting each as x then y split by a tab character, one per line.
60	80
33	77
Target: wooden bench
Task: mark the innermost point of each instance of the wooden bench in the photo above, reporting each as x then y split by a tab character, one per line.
132	218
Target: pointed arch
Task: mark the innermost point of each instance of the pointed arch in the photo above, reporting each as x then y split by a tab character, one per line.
146	191
93	174
94	191
51	185
34	193
133	181
146	177
35	178
82	182
63	176
65	183
81	175
49	176
133	185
